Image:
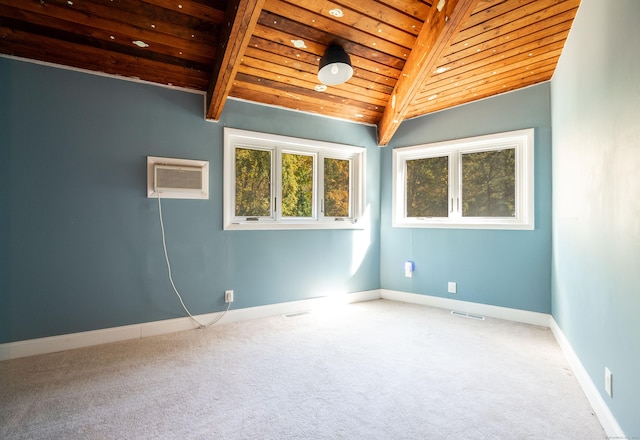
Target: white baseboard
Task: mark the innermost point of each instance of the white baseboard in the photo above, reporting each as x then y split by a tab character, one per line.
608	421
517	315
298	306
52	344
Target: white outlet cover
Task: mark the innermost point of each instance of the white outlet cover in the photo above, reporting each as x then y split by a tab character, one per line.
451	287
608	379
408	269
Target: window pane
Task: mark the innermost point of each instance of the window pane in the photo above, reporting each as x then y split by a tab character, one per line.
297	185
336	187
428	187
488	184
253	183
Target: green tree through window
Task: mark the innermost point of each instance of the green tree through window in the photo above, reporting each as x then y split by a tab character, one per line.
427	187
253	182
336	187
488	184
297	185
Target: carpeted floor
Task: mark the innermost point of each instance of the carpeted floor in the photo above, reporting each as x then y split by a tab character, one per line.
374	370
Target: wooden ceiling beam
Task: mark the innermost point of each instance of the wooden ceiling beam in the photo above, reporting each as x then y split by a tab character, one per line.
437	34
240	20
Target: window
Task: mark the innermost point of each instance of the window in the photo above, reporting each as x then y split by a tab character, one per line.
277	182
482	182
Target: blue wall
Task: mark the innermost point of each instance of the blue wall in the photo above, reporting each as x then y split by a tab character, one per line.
5	181
83	240
503	268
596	219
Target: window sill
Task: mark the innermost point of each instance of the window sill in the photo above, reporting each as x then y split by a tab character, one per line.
471	224
271	226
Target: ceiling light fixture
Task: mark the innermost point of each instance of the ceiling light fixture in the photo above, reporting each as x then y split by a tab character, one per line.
299	44
335	66
336	12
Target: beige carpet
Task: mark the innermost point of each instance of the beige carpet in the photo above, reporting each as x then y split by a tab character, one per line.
375	370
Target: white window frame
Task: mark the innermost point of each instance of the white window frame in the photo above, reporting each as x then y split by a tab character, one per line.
521	140
277	144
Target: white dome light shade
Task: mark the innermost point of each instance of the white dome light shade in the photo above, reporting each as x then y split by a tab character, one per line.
335	66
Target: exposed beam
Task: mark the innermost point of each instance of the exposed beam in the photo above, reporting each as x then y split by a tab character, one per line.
240	20
439	31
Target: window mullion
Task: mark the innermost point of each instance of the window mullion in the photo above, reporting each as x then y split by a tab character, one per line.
353	199
458	183
405	185
315	192
277	184
454	187
320	187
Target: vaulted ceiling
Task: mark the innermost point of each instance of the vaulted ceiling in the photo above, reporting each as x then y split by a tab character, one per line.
410	57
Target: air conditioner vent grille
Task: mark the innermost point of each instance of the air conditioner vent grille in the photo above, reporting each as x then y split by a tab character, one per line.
174	178
178	178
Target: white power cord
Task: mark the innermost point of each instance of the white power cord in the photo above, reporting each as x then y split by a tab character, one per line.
166	257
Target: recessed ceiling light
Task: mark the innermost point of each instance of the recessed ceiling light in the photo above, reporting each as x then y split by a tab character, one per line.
432	97
336	13
320	88
140	43
359	115
441	69
299	44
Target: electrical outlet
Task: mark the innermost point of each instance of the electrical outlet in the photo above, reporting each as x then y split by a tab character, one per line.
228	296
608	382
451	287
408	269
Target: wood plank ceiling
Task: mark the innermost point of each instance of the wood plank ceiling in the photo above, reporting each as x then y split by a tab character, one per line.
410	57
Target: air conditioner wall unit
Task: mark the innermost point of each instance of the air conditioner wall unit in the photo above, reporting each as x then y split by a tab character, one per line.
177	178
